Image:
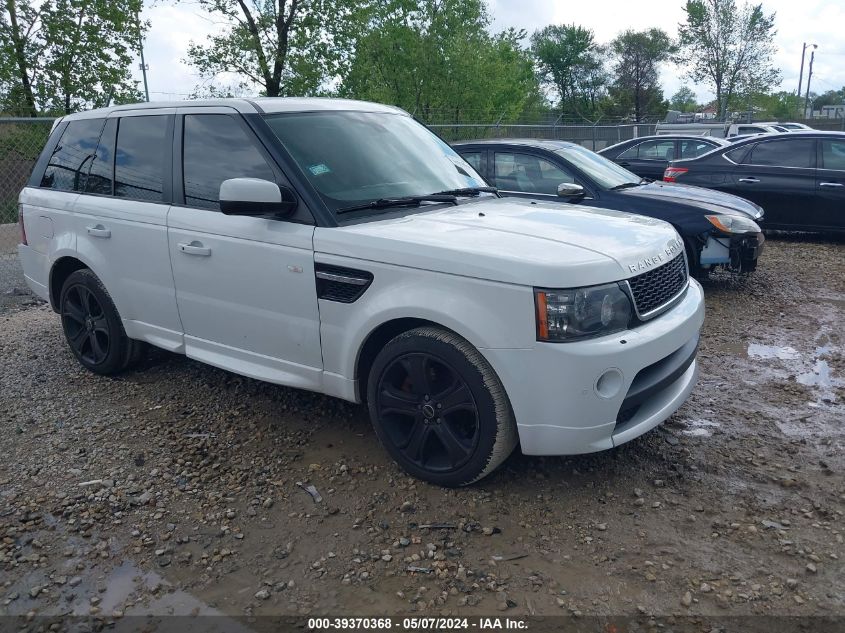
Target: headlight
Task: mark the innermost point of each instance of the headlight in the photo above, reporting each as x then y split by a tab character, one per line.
733	224
578	313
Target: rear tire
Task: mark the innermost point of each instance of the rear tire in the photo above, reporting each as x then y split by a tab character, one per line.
92	325
439	409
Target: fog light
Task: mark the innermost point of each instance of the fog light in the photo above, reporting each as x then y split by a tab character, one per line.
609	383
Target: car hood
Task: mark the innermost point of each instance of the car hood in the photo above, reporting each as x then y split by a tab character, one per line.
511	241
707	200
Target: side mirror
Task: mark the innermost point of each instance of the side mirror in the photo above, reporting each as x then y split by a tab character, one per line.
570	190
254	196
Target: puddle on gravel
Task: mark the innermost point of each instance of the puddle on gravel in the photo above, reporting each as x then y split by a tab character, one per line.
820	376
143	593
756	350
700	427
814	372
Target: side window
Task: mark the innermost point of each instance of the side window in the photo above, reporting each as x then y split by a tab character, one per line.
737	155
630	152
216	148
833	154
657	150
784	153
749	129
528	173
101	176
474	159
139	160
692	149
651	150
68	167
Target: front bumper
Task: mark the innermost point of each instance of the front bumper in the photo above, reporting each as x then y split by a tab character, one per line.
738	253
581	397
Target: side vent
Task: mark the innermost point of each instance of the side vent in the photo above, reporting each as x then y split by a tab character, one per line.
345	285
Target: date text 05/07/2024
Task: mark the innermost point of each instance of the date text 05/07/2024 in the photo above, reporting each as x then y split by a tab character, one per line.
416	623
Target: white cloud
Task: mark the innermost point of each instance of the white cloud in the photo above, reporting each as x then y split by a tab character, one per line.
819	21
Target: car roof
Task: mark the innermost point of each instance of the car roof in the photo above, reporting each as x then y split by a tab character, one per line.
753	138
542	143
257	105
668	137
696	137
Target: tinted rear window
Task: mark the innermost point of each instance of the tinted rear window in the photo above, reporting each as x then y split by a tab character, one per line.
101	174
833	154
784	153
68	166
139	160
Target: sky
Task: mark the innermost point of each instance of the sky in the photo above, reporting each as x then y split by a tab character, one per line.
797	21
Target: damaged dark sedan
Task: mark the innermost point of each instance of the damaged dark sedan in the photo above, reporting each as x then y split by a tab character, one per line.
719	230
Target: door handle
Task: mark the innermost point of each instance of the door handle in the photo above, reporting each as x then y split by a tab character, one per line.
98	231
194	248
749	180
623	163
831	184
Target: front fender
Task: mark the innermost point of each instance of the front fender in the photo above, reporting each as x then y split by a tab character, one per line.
487	314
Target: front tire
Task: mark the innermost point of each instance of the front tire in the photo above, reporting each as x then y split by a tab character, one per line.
92	325
439	409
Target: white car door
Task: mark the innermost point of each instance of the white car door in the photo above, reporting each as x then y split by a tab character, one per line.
245	286
121	223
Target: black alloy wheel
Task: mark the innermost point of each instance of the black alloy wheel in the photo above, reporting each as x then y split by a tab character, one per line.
93	327
428	412
439	408
85	324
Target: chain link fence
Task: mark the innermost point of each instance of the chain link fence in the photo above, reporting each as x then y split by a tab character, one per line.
21	141
594	137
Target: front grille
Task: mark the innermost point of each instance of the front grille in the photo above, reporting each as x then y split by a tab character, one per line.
657	287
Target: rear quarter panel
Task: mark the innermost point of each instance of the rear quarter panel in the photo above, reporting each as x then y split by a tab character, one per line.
49	222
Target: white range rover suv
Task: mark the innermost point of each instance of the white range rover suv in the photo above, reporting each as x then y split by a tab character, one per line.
341	247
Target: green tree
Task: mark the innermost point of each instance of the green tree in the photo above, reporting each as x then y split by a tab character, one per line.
287	47
684	100
66	55
729	49
636	56
436	58
779	105
572	64
831	97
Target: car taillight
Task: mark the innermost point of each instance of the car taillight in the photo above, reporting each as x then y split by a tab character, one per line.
672	173
20	223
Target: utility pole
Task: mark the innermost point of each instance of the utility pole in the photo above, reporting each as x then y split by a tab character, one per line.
801	73
143	63
809	78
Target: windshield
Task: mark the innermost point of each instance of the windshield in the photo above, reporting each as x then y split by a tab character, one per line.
605	172
354	158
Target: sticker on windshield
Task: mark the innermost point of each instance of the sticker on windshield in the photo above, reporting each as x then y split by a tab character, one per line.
319	170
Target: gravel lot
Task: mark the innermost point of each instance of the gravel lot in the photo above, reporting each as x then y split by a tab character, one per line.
173	489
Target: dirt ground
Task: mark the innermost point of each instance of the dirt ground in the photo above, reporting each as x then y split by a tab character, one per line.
175	488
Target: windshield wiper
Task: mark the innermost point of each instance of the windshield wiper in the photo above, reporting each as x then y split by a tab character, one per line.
627	185
467	191
405	201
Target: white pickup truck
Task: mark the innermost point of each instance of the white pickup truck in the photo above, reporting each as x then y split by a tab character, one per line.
341	247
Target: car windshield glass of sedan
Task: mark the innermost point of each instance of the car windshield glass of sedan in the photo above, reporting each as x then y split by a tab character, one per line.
604	172
356	157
